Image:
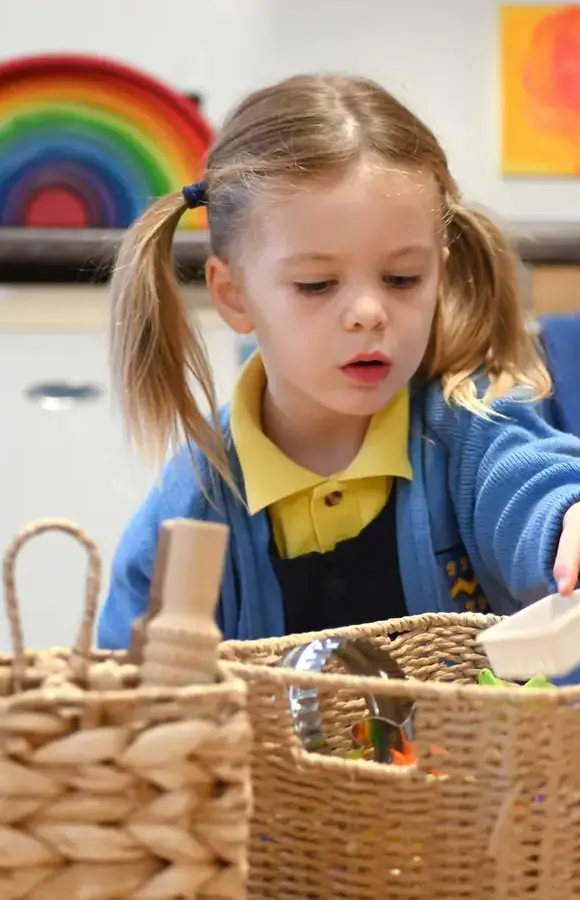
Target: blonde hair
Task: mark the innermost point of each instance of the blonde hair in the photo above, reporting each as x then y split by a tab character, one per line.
302	128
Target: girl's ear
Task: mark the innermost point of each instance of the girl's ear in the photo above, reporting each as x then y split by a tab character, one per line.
228	295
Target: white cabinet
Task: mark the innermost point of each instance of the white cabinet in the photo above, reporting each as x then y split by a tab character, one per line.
74	463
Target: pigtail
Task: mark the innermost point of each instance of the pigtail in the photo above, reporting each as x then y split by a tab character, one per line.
158	354
479	322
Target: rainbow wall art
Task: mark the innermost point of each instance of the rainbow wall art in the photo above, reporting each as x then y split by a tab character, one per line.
89	143
540	56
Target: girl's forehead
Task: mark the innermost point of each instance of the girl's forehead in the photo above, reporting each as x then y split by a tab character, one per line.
370	207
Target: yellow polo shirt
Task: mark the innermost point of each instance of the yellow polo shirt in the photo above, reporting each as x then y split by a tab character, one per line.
310	513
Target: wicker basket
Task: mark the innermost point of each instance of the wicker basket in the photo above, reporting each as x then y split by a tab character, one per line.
495	815
112	790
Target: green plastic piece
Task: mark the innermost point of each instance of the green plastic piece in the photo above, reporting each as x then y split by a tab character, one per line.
487	678
539	681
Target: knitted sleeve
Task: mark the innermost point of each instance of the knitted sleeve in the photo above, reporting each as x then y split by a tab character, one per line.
176	496
512	479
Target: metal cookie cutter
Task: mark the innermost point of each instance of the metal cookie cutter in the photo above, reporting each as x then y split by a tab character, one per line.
359	657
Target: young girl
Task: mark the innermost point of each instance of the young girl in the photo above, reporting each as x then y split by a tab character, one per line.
383	453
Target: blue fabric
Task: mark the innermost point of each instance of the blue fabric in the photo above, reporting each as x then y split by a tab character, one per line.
561	341
487	498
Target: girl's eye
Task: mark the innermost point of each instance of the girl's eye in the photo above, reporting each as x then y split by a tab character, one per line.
400	282
314	287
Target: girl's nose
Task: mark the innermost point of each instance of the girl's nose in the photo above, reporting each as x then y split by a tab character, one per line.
366	313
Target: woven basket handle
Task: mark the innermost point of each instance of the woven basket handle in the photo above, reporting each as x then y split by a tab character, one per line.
79	659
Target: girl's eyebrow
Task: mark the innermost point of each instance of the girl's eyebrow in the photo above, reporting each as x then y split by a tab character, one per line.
308	257
399	252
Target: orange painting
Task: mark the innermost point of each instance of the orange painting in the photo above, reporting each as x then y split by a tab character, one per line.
540	57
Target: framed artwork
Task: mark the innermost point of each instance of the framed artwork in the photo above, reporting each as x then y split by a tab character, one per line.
540	89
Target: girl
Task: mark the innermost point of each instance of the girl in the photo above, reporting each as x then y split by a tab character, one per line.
383	453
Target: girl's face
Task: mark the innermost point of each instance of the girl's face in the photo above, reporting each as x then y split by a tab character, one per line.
340	284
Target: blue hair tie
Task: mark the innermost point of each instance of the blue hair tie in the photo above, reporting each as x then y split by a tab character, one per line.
195	195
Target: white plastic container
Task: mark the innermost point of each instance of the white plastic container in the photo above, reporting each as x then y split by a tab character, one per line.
542	639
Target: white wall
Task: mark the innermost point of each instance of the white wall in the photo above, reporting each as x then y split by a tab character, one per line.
441	56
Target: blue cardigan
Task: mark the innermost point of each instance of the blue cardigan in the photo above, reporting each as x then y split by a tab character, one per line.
485	504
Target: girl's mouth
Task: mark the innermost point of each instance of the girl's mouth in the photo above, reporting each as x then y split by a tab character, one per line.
368	368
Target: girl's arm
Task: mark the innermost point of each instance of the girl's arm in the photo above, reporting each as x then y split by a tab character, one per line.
177	496
130	576
513	480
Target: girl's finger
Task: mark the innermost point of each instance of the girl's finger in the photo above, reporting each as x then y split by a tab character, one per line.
567	565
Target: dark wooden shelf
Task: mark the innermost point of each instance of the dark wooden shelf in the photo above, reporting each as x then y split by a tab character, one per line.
53	255
46	254
546	241
82	245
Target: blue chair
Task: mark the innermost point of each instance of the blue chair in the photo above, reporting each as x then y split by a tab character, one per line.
560	338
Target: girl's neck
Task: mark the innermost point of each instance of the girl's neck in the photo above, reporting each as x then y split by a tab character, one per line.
316	439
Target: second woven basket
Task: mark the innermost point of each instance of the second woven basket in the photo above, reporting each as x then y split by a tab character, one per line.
490	811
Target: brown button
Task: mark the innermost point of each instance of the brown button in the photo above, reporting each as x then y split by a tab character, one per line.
333	499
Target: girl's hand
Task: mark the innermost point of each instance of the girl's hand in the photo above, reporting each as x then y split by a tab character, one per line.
567	565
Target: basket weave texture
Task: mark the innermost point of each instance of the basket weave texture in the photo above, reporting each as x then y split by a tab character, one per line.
113	790
490	810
